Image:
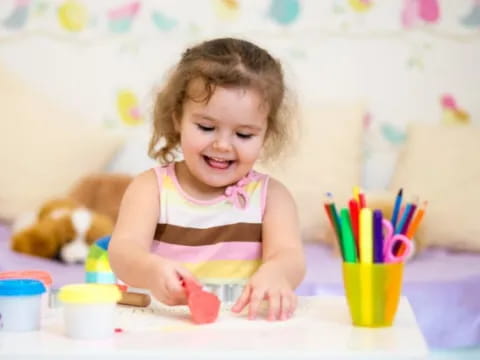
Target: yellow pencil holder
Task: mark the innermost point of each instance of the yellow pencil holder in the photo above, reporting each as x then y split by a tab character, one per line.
372	292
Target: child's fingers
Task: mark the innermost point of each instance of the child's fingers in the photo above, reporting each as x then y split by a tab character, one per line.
287	303
256	298
173	284
185	274
294	304
171	301
174	288
274	306
242	300
162	294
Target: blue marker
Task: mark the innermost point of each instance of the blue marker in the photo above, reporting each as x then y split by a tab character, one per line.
403	220
396	208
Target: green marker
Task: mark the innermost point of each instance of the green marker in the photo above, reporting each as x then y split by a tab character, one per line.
348	241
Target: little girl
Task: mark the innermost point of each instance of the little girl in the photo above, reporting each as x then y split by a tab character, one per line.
210	217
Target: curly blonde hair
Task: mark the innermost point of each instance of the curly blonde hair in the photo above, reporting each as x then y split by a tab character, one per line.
224	62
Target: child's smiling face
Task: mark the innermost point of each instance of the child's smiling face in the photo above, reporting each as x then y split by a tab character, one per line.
221	139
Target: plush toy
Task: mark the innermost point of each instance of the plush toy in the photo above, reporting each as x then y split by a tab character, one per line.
65	228
101	192
62	229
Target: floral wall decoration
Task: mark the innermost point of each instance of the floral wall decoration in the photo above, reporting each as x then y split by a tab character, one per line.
409	61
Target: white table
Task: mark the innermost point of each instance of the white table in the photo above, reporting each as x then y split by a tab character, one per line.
320	329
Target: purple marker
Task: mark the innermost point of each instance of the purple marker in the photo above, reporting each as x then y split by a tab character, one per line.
377	236
412	209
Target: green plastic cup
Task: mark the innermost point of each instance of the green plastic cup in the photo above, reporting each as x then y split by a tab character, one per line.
372	292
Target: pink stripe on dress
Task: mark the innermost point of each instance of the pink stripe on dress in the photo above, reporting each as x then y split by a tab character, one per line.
222	251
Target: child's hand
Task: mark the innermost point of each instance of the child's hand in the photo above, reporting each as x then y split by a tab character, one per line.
166	282
268	285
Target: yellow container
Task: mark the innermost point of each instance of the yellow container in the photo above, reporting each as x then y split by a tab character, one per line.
373	292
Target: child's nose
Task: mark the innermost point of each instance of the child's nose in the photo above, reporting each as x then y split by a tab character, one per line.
221	144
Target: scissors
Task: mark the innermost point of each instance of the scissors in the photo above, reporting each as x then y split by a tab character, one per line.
390	240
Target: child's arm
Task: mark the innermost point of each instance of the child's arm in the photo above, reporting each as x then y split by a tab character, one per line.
283	265
129	248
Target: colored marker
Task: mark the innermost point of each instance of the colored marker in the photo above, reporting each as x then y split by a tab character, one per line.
329	214
335	219
354	214
412	229
356	193
348	241
377	236
366	240
396	208
412	209
403	220
406	226
362	201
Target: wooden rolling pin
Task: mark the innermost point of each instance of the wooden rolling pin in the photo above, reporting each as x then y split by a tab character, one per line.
134	299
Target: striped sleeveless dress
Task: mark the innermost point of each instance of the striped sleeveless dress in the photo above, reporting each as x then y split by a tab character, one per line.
219	240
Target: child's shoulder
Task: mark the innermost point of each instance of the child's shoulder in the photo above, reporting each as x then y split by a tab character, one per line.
144	181
275	184
141	193
277	190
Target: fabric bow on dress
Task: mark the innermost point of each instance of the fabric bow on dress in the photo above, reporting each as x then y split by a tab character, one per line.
236	193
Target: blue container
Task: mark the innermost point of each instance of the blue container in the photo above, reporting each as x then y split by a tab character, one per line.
20	302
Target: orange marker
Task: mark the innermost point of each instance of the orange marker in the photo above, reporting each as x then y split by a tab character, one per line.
412	229
329	214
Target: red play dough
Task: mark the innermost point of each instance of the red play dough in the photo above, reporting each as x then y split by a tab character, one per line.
203	305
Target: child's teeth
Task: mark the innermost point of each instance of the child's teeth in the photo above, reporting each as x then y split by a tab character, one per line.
218	163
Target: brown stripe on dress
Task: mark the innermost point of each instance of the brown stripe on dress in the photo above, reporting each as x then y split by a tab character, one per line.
180	235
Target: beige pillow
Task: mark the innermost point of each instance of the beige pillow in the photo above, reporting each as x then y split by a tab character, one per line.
327	159
441	164
44	149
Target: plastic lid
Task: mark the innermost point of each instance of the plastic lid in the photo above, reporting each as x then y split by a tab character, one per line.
21	287
43	276
103	242
89	293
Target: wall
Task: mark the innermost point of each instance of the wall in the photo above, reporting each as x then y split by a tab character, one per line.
412	60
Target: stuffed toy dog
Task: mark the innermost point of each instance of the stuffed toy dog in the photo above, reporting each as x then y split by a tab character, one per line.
101	192
65	228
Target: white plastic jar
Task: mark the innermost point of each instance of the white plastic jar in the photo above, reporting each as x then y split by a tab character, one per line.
89	310
41	275
20	303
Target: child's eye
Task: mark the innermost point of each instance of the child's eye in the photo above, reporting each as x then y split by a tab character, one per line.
205	128
244	136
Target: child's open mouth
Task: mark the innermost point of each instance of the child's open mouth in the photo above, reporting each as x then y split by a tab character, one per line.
217	163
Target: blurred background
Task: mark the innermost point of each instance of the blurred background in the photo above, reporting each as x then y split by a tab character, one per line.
77	80
407	61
